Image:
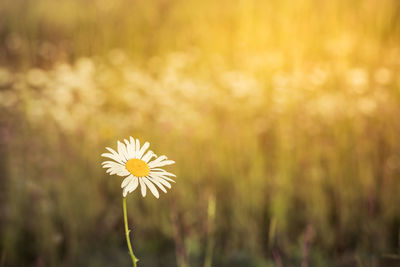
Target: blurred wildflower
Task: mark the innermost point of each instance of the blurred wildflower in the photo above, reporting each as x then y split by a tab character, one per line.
117	57
36	77
47	50
5	77
358	79
327	106
366	105
383	76
318	76
14	42
281	79
8	98
240	84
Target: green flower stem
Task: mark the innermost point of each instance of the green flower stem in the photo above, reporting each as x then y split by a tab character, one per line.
128	241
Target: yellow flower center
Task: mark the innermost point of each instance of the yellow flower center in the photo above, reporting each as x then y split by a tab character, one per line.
137	167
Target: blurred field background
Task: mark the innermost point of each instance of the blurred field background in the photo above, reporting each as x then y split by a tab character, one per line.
283	118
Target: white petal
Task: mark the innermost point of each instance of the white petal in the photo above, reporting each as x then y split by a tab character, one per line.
142	187
163	163
142	150
162	172
112	169
111	163
122	150
114	157
115	154
133	145
132	185
112	151
164	182
130	149
110	166
148	156
126	181
156	182
157	160
123	173
165	178
115	168
151	186
161	180
137	148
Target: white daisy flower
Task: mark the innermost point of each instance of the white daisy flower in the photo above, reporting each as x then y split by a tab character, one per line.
136	165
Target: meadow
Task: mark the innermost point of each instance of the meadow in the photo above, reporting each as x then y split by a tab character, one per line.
283	118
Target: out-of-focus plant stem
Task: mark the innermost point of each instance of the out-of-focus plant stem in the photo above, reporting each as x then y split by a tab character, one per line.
210	231
180	250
